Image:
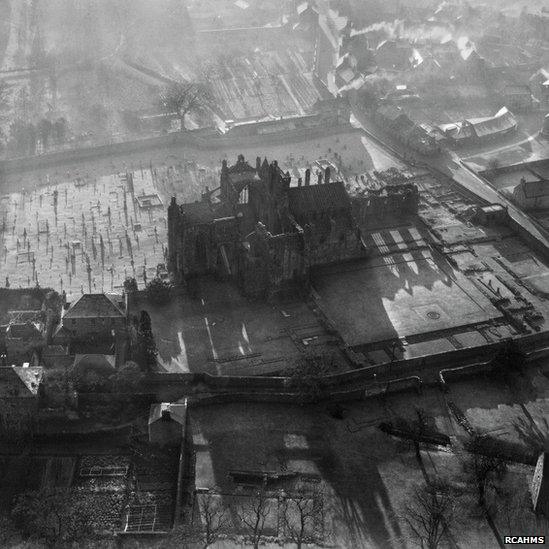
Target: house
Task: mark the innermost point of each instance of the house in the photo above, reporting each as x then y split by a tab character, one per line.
401	93
492	214
539	84
393	55
102	365
20	391
517	97
91	316
532	193
405	130
22	341
167	423
480	129
56	356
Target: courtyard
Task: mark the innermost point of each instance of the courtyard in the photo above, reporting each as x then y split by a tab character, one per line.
400	296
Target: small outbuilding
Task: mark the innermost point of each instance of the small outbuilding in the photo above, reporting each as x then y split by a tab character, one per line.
167	423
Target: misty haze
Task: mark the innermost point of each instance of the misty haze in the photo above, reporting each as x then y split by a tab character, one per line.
274	273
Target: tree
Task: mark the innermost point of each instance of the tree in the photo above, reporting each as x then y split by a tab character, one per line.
181	99
307	375
509	364
158	291
128	378
45	129
130	285
54	516
429	514
4	93
147	345
253	514
23	137
485	472
60	127
210	520
91	382
303	517
9	536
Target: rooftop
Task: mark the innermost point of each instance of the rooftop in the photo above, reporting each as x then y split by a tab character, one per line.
28	330
16	381
94	306
534	189
175	411
317	198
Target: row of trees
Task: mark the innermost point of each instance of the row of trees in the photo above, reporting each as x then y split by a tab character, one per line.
299	517
126	379
58	517
435	509
23	137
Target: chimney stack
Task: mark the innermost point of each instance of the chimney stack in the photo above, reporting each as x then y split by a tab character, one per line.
319	175
307	177
327	175
299	182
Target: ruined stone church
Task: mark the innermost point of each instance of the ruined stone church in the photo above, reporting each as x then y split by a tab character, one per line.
263	233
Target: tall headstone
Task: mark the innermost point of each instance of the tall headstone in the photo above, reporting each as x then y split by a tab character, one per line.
540	485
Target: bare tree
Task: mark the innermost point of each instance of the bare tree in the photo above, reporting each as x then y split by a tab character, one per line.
213	517
306	376
209	521
303	517
181	99
54	516
253	514
429	514
4	93
485	471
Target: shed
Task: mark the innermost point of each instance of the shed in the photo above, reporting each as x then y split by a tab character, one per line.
167	423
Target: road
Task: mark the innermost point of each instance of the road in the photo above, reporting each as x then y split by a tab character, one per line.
453	166
450	164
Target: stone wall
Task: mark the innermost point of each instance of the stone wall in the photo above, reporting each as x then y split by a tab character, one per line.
169	387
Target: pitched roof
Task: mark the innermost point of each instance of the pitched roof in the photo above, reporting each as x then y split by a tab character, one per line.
20	382
176	411
93	306
198	212
25	330
391	112
502	121
317	198
104	362
534	189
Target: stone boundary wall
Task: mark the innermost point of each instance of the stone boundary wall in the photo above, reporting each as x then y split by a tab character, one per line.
241	33
512	168
170	386
204	138
538	246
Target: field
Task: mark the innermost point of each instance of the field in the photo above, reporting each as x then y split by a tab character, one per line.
366	477
401	295
113	484
221	333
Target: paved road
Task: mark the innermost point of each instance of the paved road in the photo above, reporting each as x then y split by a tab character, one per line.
451	165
